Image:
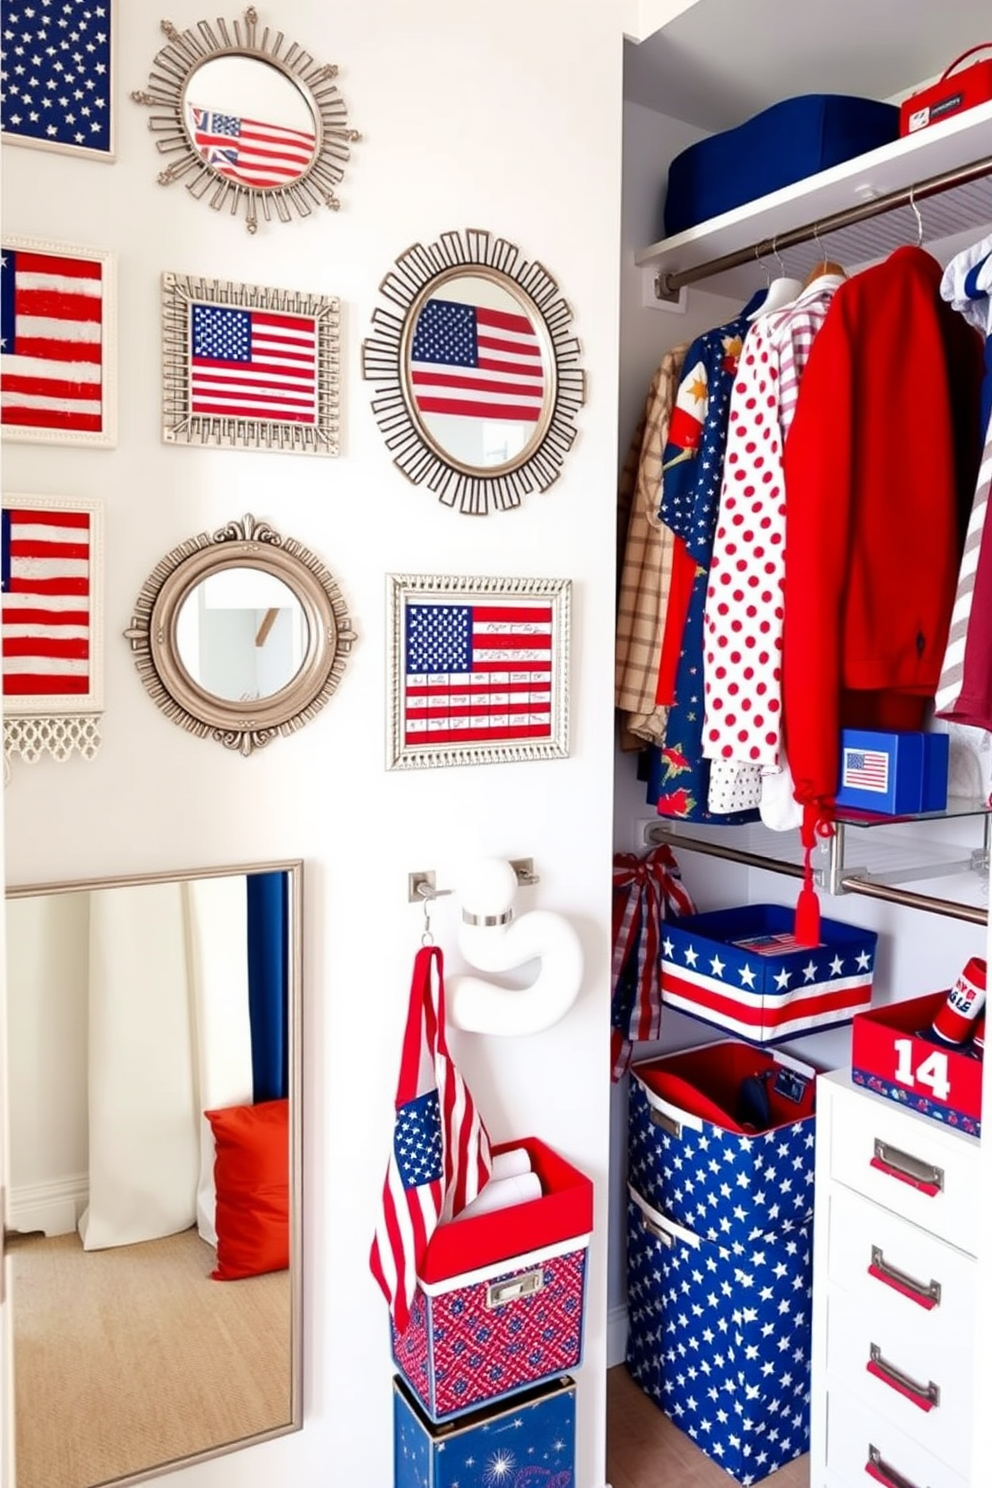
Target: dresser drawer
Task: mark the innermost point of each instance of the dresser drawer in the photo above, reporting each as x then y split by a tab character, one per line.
900	1276
922	1386
863	1448
908	1163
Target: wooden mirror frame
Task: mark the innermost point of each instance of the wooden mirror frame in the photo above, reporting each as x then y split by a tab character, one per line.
172	70
293	869
244	726
416	274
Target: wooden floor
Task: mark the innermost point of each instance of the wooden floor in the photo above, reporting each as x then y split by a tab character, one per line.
644	1449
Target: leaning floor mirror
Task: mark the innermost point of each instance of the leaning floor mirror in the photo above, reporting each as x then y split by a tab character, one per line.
154	1214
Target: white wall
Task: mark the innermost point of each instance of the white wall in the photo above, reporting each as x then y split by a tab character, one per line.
503	116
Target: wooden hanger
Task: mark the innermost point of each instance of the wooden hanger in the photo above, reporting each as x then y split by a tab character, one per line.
823	265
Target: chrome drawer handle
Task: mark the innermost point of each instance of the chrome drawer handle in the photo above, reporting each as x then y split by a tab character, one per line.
498	1293
925	1396
882	1270
883	1472
897	1164
667	1123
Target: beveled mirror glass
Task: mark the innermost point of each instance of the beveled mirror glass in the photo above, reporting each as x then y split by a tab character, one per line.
249	120
478	383
240	635
135	1006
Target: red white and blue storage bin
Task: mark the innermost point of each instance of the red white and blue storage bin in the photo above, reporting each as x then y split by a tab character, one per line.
692	1159
719	1336
527	1442
500	1297
743	970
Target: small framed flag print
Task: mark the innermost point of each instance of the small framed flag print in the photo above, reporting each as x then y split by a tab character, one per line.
478	670
59	75
250	368
57	343
51	551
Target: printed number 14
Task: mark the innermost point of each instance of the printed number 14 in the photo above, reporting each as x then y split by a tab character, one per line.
932	1071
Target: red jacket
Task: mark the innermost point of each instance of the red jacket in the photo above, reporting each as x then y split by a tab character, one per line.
880	467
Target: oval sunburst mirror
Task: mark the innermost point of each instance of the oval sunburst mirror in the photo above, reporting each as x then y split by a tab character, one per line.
478	382
247	119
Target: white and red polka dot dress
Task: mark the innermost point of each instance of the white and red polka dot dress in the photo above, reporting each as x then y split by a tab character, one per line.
744	613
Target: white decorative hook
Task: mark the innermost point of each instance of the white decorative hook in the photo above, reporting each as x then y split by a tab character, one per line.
492	940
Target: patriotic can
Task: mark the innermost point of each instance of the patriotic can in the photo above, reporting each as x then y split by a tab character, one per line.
958	1014
526	1442
500	1298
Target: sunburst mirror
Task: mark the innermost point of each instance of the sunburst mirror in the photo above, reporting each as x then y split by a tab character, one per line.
241	635
247	119
478	383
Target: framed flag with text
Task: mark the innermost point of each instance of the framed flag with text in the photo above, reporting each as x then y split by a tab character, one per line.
478	670
57	343
59	76
51	562
249	368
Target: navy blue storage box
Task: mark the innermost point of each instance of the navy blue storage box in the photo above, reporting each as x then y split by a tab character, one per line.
892	774
719	1336
527	1440
785	143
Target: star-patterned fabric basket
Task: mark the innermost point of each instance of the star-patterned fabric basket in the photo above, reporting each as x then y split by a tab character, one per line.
690	1156
527	1442
743	970
719	1337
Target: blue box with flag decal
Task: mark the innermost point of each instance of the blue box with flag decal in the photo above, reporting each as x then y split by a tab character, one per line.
721	1138
743	970
526	1442
892	774
719	1336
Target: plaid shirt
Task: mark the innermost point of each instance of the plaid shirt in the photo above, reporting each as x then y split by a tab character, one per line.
647	563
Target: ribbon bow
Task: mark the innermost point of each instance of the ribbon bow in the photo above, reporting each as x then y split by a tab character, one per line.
645	890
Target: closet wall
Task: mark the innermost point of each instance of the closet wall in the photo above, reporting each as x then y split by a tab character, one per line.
736	75
504	117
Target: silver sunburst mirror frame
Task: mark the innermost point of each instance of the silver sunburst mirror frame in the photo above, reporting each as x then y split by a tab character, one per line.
477	378
249	120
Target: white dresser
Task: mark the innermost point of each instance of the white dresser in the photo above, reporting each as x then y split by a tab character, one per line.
894	1294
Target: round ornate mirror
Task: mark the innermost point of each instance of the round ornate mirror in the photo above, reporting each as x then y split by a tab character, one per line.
478	383
241	635
247	119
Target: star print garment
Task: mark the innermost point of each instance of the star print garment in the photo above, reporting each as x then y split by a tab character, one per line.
744	611
678	775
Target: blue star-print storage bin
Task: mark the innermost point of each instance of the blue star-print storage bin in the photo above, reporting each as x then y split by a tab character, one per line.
719	1337
743	970
693	1150
526	1442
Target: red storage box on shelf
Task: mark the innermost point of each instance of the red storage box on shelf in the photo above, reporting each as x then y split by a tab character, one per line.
500	1296
889	1057
951	94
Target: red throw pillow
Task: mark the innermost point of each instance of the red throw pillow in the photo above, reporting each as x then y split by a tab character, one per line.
251	1175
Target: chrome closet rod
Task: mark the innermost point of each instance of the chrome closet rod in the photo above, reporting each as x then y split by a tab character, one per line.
654	835
670	282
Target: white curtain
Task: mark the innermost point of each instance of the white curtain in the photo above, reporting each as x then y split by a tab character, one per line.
168	1038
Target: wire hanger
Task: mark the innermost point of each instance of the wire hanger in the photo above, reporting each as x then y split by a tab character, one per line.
918	215
823	264
764	267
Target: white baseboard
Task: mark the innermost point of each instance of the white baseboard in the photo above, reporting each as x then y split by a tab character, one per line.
52	1207
616	1337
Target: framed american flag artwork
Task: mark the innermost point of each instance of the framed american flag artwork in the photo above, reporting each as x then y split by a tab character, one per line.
478	670
58	330
58	60
51	625
249	367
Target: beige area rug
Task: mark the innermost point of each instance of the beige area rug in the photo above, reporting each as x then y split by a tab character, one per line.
130	1357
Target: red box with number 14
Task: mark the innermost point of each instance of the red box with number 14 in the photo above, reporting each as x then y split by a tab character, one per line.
889	1057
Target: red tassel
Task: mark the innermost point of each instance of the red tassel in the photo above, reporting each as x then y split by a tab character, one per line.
807	922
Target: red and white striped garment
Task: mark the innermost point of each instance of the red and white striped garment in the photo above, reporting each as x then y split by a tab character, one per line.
744	611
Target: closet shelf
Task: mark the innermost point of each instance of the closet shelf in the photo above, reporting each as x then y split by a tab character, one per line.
894	864
947	167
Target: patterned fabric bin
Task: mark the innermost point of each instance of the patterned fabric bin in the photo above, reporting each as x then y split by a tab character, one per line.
692	1160
742	970
492	1316
719	1337
528	1442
